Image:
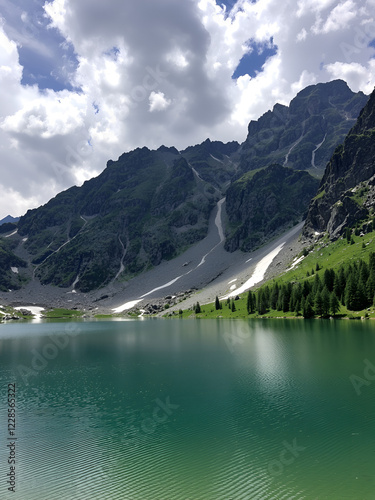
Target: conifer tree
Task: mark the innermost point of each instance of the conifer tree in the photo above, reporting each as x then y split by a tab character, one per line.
274	296
348	234
250	303
325	301
308	311
334	304
350	293
318	304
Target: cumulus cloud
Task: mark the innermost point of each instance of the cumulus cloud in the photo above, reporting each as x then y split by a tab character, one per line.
152	72
158	102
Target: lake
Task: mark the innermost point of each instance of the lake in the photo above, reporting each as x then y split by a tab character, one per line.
189	410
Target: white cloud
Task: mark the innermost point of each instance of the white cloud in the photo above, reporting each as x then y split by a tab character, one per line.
358	76
302	35
152	73
337	19
158	102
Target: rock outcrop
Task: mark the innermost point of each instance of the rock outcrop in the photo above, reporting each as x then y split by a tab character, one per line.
346	194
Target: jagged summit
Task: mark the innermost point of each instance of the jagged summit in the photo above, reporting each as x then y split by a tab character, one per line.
304	134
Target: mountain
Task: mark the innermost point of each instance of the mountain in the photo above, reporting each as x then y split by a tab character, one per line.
9	265
9	219
346	194
304	134
144	208
149	206
262	204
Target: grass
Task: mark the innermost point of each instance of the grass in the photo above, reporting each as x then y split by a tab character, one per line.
327	254
330	255
62	314
209	312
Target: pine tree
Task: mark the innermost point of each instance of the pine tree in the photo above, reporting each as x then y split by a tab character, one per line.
217	303
261	302
297	308
197	308
370	286
233	306
329	279
350	293
325	301
274	296
360	296
250	303
348	234
334	304
317	285
308	311
318	304
371	261
306	288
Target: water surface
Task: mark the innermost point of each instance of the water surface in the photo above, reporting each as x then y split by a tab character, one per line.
198	410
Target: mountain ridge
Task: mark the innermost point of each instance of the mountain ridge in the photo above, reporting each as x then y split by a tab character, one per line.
149	206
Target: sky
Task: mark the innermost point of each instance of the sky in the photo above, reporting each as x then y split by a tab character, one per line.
83	81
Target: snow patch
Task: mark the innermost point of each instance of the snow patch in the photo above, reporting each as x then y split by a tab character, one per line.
36	311
126	306
259	272
11	234
297	261
216	159
14	270
232	281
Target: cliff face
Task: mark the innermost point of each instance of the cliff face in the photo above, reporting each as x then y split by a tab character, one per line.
304	134
346	194
264	204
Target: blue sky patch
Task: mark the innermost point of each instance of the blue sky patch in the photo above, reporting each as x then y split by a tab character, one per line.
228	3
252	62
47	59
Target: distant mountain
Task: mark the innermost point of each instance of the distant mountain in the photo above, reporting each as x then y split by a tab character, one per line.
304	134
264	203
346	195
9	219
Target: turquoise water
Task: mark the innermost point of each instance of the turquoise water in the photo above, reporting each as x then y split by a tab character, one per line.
190	410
